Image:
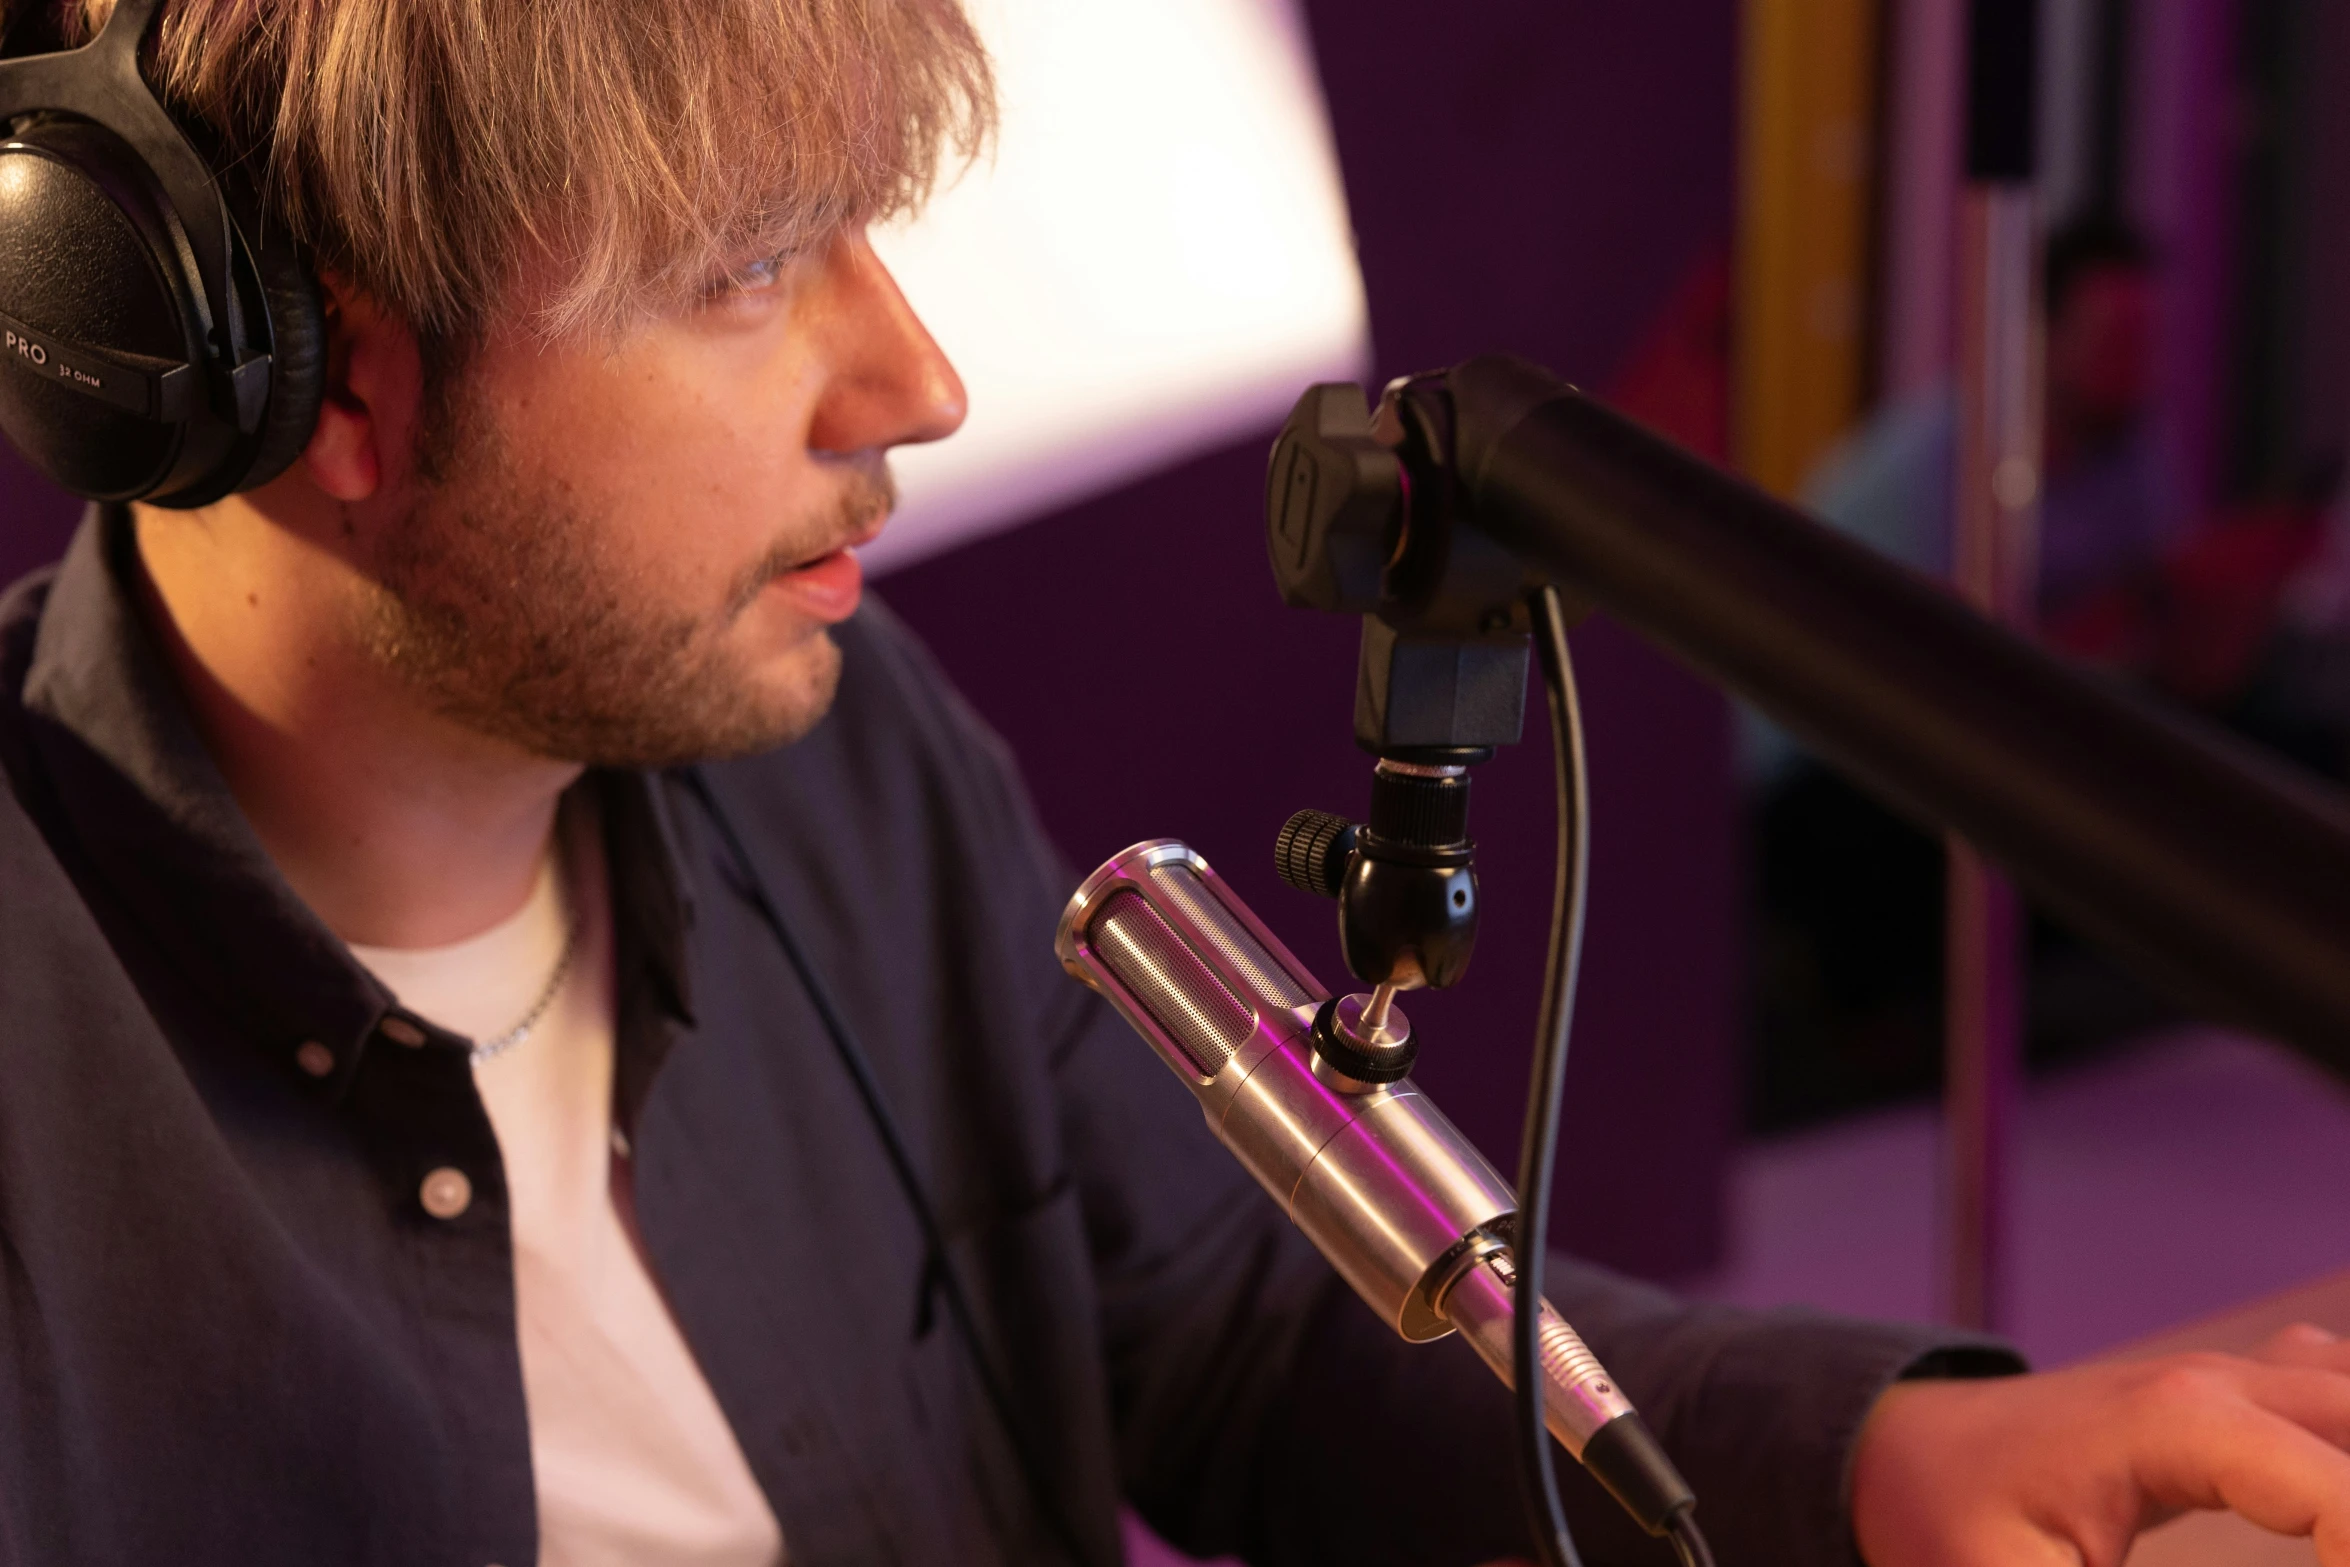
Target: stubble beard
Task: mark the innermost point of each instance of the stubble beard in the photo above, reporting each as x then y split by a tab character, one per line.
498	601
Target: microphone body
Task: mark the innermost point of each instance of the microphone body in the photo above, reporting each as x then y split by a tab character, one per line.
1402	1204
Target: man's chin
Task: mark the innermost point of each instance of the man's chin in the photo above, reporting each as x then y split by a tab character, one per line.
763	715
685	717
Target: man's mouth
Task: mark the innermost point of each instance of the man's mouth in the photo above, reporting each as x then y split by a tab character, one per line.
827	586
856	540
825	583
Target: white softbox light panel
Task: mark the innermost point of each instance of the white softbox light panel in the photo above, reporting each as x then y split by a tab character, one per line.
1155	260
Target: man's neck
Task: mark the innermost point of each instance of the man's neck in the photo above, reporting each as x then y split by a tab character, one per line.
397	826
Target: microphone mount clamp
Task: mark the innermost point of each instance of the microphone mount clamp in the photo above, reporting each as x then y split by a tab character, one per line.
1363	516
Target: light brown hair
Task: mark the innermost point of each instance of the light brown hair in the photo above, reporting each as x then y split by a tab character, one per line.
616	155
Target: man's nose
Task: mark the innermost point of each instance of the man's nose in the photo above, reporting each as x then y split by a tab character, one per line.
888	383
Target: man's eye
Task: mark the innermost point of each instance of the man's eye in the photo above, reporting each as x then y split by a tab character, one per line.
758	275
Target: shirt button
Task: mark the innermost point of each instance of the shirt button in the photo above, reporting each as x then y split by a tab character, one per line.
446	1193
620	1148
402	1032
315	1059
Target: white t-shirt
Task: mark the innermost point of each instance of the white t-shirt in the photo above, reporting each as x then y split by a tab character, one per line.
634	1463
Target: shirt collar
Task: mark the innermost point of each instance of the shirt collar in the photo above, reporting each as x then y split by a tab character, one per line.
151	810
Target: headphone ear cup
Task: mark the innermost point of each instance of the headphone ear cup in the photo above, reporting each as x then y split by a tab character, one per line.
87	253
297	350
87	257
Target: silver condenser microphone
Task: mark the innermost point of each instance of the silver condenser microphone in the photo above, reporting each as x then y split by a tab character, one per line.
1400	1202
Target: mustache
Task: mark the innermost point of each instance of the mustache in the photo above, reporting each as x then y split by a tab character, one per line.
860	509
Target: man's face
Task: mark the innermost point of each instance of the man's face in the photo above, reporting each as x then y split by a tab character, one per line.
630	553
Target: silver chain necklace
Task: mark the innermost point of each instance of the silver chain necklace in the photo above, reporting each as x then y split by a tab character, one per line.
491	1049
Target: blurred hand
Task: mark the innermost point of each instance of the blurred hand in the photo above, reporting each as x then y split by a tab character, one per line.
2064	1469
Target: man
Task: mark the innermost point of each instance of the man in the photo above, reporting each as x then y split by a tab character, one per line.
419	1146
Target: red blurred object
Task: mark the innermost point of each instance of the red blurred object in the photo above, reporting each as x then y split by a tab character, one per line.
2197	624
1676	380
2112	628
2218	598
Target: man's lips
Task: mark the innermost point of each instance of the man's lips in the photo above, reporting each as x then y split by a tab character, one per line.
830	583
826	588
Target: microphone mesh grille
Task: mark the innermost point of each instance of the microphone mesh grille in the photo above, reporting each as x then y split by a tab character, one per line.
1167	979
1270	982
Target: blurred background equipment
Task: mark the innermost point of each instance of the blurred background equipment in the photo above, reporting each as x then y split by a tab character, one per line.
2195	409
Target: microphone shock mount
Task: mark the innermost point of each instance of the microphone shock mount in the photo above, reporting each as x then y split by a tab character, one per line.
1406	887
1358	504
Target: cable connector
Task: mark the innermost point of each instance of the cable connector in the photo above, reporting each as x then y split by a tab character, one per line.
1626	1458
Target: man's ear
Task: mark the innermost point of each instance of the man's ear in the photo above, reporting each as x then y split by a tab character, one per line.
374	388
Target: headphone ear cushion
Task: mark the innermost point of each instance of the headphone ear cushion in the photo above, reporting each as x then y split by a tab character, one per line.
297	371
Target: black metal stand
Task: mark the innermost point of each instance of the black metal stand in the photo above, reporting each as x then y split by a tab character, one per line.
2223	878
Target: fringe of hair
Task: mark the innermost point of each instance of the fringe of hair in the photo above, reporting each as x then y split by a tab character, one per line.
606	159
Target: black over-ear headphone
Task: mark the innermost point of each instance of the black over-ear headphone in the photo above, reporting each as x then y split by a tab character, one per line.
161	335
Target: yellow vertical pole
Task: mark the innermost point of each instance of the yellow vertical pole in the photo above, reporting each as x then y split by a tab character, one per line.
1806	145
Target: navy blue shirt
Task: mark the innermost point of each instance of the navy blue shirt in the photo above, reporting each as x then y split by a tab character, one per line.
231	1333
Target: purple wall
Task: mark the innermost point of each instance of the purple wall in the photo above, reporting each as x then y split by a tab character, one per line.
1526	176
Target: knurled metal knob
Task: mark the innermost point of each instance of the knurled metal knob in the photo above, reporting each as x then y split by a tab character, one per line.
1312	850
